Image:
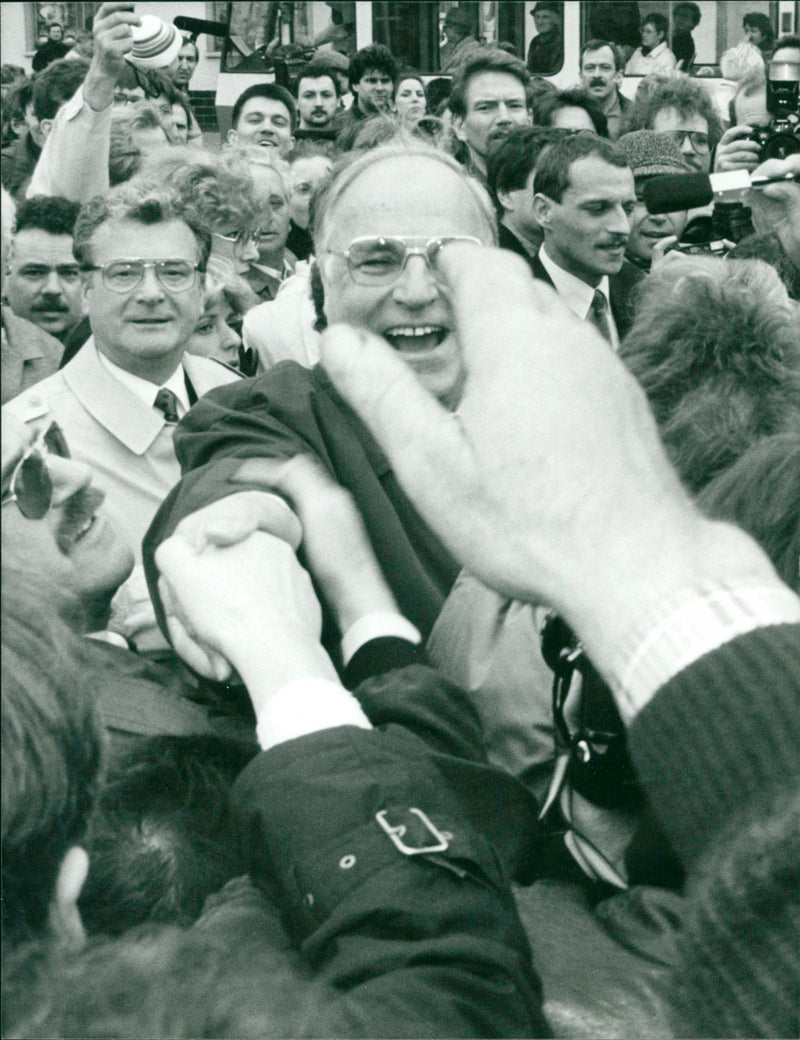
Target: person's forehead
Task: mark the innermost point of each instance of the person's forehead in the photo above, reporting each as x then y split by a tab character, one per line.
37	244
129	239
179	114
407	195
410	84
264	106
267	179
374	73
602	56
572	117
593	178
671	119
494	86
315	83
187	51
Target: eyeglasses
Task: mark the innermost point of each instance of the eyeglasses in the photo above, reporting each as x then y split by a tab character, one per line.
240	239
698	140
124	276
380	261
36	273
31	485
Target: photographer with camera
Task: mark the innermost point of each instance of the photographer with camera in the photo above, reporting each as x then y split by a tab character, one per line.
766	114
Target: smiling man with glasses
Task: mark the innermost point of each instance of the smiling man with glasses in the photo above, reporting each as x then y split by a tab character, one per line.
119	398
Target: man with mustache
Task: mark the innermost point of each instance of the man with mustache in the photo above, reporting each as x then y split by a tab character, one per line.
601	76
317	97
119	398
43	283
583	201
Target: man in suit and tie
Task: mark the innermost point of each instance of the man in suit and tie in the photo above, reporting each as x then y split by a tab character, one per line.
584	197
119	398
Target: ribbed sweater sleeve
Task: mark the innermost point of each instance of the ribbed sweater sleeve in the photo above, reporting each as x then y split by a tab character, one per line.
722	732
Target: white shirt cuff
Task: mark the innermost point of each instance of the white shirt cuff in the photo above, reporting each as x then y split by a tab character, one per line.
691	625
306	706
375	626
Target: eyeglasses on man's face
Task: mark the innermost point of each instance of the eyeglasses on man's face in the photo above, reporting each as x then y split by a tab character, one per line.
698	140
123	276
31	485
377	260
240	239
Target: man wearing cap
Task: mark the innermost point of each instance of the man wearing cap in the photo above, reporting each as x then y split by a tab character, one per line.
651	154
545	54
461	43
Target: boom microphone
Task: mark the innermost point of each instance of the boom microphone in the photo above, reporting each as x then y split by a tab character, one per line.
674	192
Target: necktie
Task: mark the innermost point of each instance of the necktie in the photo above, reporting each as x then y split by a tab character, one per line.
598	315
167	403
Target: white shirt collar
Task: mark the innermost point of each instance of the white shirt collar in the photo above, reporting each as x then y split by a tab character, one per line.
144	389
577	295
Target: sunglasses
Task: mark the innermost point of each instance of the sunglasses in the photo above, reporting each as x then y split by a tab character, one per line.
31	485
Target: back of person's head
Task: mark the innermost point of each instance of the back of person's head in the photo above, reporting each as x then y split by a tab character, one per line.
509	165
51	753
546	105
769	248
56	84
761	494
141	201
489	60
212	191
164	836
716	346
375	57
51	213
271	91
19	97
308	147
162	981
553	167
685	95
368	133
742	61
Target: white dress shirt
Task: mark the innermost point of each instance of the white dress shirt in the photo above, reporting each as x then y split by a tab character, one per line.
577	295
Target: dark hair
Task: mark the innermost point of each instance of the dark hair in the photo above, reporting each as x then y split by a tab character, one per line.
716	347
691	9
509	165
265	90
684	94
316	70
57	84
596	45
20	96
376	56
491	60
658	21
142	201
51	751
51	213
546	105
189	42
786	41
163	838
757	20
407	73
761	493
553	168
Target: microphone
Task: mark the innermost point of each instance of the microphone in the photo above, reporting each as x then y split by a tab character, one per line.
673	192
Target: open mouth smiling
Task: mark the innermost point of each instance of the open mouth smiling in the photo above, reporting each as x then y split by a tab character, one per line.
415	338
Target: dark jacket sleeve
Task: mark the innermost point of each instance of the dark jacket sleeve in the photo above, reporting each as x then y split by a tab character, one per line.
285	412
723	732
411	943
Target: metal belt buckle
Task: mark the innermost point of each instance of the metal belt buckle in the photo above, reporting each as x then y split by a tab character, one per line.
397	833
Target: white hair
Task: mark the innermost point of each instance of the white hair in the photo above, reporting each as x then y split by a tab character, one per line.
742	61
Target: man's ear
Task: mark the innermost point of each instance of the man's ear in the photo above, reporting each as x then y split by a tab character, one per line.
45	125
543	209
64	915
457	123
504	198
233	136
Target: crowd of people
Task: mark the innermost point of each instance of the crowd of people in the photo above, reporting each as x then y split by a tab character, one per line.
400	635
